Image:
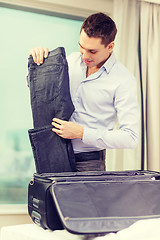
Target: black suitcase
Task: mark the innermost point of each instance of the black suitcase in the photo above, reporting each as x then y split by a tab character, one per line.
93	202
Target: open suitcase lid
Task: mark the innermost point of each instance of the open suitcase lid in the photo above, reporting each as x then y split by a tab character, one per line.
88	207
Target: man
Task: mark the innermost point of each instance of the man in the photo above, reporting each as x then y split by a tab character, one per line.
102	90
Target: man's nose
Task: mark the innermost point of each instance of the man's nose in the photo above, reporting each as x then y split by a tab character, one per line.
85	54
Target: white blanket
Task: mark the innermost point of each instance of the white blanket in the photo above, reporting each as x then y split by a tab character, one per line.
141	230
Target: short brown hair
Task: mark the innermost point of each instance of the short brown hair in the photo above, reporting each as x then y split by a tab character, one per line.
100	25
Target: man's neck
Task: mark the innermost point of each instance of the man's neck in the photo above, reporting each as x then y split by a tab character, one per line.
92	70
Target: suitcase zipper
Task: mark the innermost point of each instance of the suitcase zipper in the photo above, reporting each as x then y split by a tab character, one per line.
31	181
41	180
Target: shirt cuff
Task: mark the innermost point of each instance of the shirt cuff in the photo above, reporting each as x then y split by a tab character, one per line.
89	136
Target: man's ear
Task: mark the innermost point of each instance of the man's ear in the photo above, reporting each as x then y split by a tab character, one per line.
110	46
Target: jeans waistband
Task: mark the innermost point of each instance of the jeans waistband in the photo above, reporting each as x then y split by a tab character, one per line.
86	156
58	51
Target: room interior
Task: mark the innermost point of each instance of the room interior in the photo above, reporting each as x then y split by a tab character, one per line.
27	23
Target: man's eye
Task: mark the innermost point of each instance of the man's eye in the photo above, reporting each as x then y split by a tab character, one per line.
93	52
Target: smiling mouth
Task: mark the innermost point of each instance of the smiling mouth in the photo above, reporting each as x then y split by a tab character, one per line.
87	61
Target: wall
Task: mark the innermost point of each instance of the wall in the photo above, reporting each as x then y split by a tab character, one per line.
14	219
14	215
74	8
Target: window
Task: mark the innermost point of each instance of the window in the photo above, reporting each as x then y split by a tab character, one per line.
20	32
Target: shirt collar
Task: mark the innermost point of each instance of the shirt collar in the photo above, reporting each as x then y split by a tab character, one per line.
107	65
110	62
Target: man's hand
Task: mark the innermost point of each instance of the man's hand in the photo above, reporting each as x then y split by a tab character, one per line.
39	54
66	129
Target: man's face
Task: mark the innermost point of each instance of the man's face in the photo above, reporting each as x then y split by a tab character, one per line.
94	53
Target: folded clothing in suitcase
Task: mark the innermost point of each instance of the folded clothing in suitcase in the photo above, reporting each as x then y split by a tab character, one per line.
50	207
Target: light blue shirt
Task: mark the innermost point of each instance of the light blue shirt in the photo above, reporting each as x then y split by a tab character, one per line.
100	100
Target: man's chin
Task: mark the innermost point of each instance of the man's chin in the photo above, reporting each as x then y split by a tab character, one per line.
90	65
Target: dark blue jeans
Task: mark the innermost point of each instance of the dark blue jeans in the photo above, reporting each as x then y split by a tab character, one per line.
50	97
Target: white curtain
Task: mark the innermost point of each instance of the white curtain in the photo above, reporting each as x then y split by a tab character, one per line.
139	22
150	61
126	17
